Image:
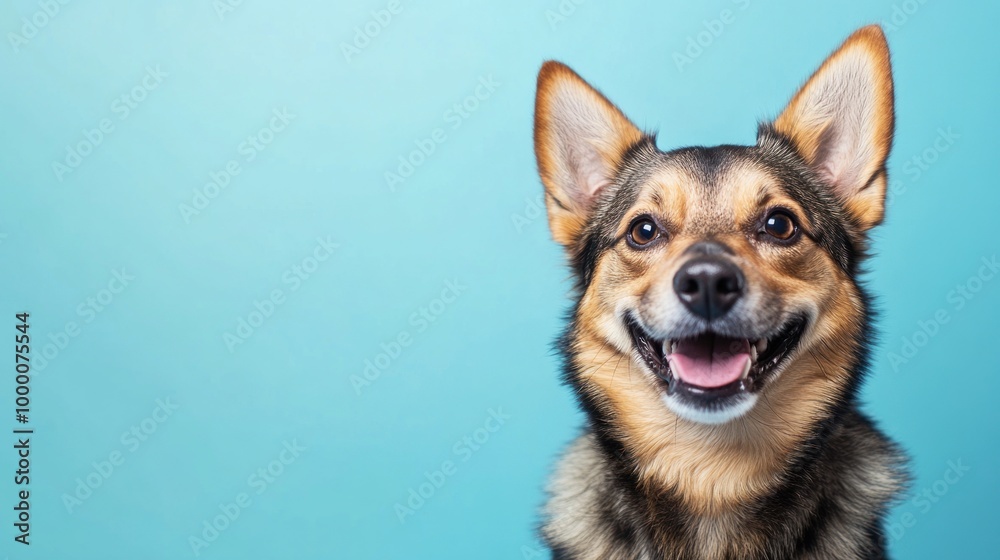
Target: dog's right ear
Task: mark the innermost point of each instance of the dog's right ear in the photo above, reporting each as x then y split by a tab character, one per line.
580	141
841	123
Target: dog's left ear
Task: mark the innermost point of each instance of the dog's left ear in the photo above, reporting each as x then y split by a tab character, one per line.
841	122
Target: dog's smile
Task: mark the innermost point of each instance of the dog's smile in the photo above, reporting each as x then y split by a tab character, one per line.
734	271
710	370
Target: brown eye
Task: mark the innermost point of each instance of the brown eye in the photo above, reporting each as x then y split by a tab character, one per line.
643	232
780	225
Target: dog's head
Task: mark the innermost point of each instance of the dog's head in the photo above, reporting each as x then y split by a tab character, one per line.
719	276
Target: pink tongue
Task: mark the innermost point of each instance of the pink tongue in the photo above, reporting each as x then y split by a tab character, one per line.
710	361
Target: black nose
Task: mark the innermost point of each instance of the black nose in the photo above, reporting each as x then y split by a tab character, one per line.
709	286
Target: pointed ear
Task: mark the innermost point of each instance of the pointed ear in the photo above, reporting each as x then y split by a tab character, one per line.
580	141
841	122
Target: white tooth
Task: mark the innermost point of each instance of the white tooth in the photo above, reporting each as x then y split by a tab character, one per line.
668	347
746	370
753	353
761	345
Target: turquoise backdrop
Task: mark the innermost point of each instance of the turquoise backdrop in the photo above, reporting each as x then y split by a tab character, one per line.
292	294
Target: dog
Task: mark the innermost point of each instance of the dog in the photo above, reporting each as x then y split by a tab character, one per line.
720	333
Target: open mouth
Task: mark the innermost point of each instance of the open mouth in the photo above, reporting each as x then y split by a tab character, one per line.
709	369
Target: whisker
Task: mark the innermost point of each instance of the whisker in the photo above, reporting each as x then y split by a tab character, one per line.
594	370
630	371
618	363
775	412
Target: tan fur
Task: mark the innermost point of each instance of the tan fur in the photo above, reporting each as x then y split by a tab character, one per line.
866	54
558	85
716	467
715	470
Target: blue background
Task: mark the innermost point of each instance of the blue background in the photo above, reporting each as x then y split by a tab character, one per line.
467	214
